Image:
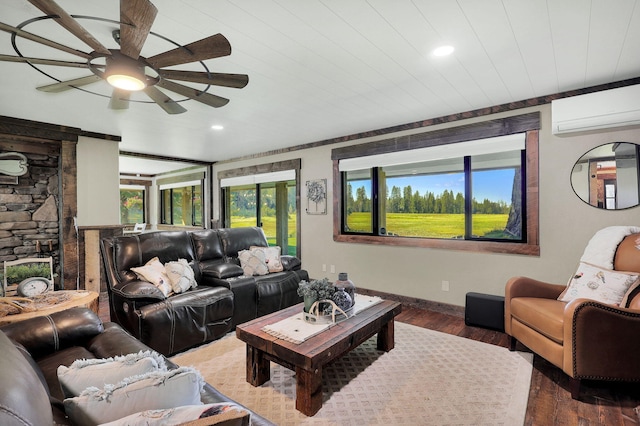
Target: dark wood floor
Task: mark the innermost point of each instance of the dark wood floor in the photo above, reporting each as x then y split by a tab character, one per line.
550	402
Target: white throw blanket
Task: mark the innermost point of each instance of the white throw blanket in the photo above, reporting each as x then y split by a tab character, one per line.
601	249
296	330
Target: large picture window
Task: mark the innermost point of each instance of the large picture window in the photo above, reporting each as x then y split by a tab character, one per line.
469	193
462	197
269	200
181	204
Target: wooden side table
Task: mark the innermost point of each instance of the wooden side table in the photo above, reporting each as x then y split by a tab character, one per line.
78	298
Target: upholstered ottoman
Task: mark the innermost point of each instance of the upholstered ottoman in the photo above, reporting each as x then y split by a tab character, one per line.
185	320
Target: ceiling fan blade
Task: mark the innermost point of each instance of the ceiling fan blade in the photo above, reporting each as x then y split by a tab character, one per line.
42	40
65	20
213	46
237	81
69	84
136	19
119	99
165	102
196	95
39	61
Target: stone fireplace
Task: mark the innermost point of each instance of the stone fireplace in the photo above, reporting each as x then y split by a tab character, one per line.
37	212
29	212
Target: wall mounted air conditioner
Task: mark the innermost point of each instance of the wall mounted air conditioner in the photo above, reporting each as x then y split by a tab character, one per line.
596	111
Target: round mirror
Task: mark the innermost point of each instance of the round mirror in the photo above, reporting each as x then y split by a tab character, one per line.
607	176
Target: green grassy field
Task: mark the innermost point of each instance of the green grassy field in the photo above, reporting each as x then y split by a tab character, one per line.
430	225
403	224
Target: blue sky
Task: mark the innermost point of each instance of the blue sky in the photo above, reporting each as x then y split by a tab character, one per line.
495	185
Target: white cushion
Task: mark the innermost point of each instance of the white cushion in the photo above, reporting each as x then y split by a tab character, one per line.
216	413
181	276
84	373
151	391
153	271
272	257
253	262
596	283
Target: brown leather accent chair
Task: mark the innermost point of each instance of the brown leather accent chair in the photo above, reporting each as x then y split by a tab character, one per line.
585	338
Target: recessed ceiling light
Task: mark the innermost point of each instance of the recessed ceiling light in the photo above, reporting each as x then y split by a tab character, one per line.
443	51
217	127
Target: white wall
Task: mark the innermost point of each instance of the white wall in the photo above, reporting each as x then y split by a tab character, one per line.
98	182
566	225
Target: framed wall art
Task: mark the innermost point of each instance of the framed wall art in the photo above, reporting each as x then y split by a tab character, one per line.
317	196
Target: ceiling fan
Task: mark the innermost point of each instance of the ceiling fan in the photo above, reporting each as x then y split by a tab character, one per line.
124	68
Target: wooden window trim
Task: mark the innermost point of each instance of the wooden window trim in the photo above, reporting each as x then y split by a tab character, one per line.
528	123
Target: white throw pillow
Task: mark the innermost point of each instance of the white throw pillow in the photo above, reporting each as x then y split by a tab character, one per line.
253	262
272	257
180	275
153	271
604	285
151	391
218	412
84	373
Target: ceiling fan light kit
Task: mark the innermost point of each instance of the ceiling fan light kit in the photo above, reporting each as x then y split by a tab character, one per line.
125	75
124	68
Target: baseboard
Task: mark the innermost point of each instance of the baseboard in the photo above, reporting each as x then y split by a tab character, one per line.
443	308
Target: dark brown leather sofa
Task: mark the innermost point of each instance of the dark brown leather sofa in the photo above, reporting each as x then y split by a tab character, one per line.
223	298
33	349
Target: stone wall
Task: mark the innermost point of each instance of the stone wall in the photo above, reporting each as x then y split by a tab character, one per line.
29	219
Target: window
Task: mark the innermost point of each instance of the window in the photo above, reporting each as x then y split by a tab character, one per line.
181	204
268	199
132	204
451	191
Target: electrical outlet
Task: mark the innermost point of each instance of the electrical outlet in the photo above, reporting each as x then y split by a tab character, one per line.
333	269
445	285
324	267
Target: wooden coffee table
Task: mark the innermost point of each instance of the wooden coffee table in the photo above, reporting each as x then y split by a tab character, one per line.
308	358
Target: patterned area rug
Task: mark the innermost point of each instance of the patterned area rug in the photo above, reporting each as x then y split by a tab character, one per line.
429	378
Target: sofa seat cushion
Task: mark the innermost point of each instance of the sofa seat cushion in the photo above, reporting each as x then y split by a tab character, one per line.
187	319
546	316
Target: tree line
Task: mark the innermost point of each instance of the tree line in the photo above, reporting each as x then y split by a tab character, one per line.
405	200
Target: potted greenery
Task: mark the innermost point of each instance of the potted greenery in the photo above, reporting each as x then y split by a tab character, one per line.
315	290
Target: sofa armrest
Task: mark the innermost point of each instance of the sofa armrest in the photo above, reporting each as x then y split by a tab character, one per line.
528	287
139	290
223	271
47	334
602	341
290	263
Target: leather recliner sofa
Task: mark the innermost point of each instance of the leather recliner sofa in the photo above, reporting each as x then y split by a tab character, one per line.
223	298
585	338
33	349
